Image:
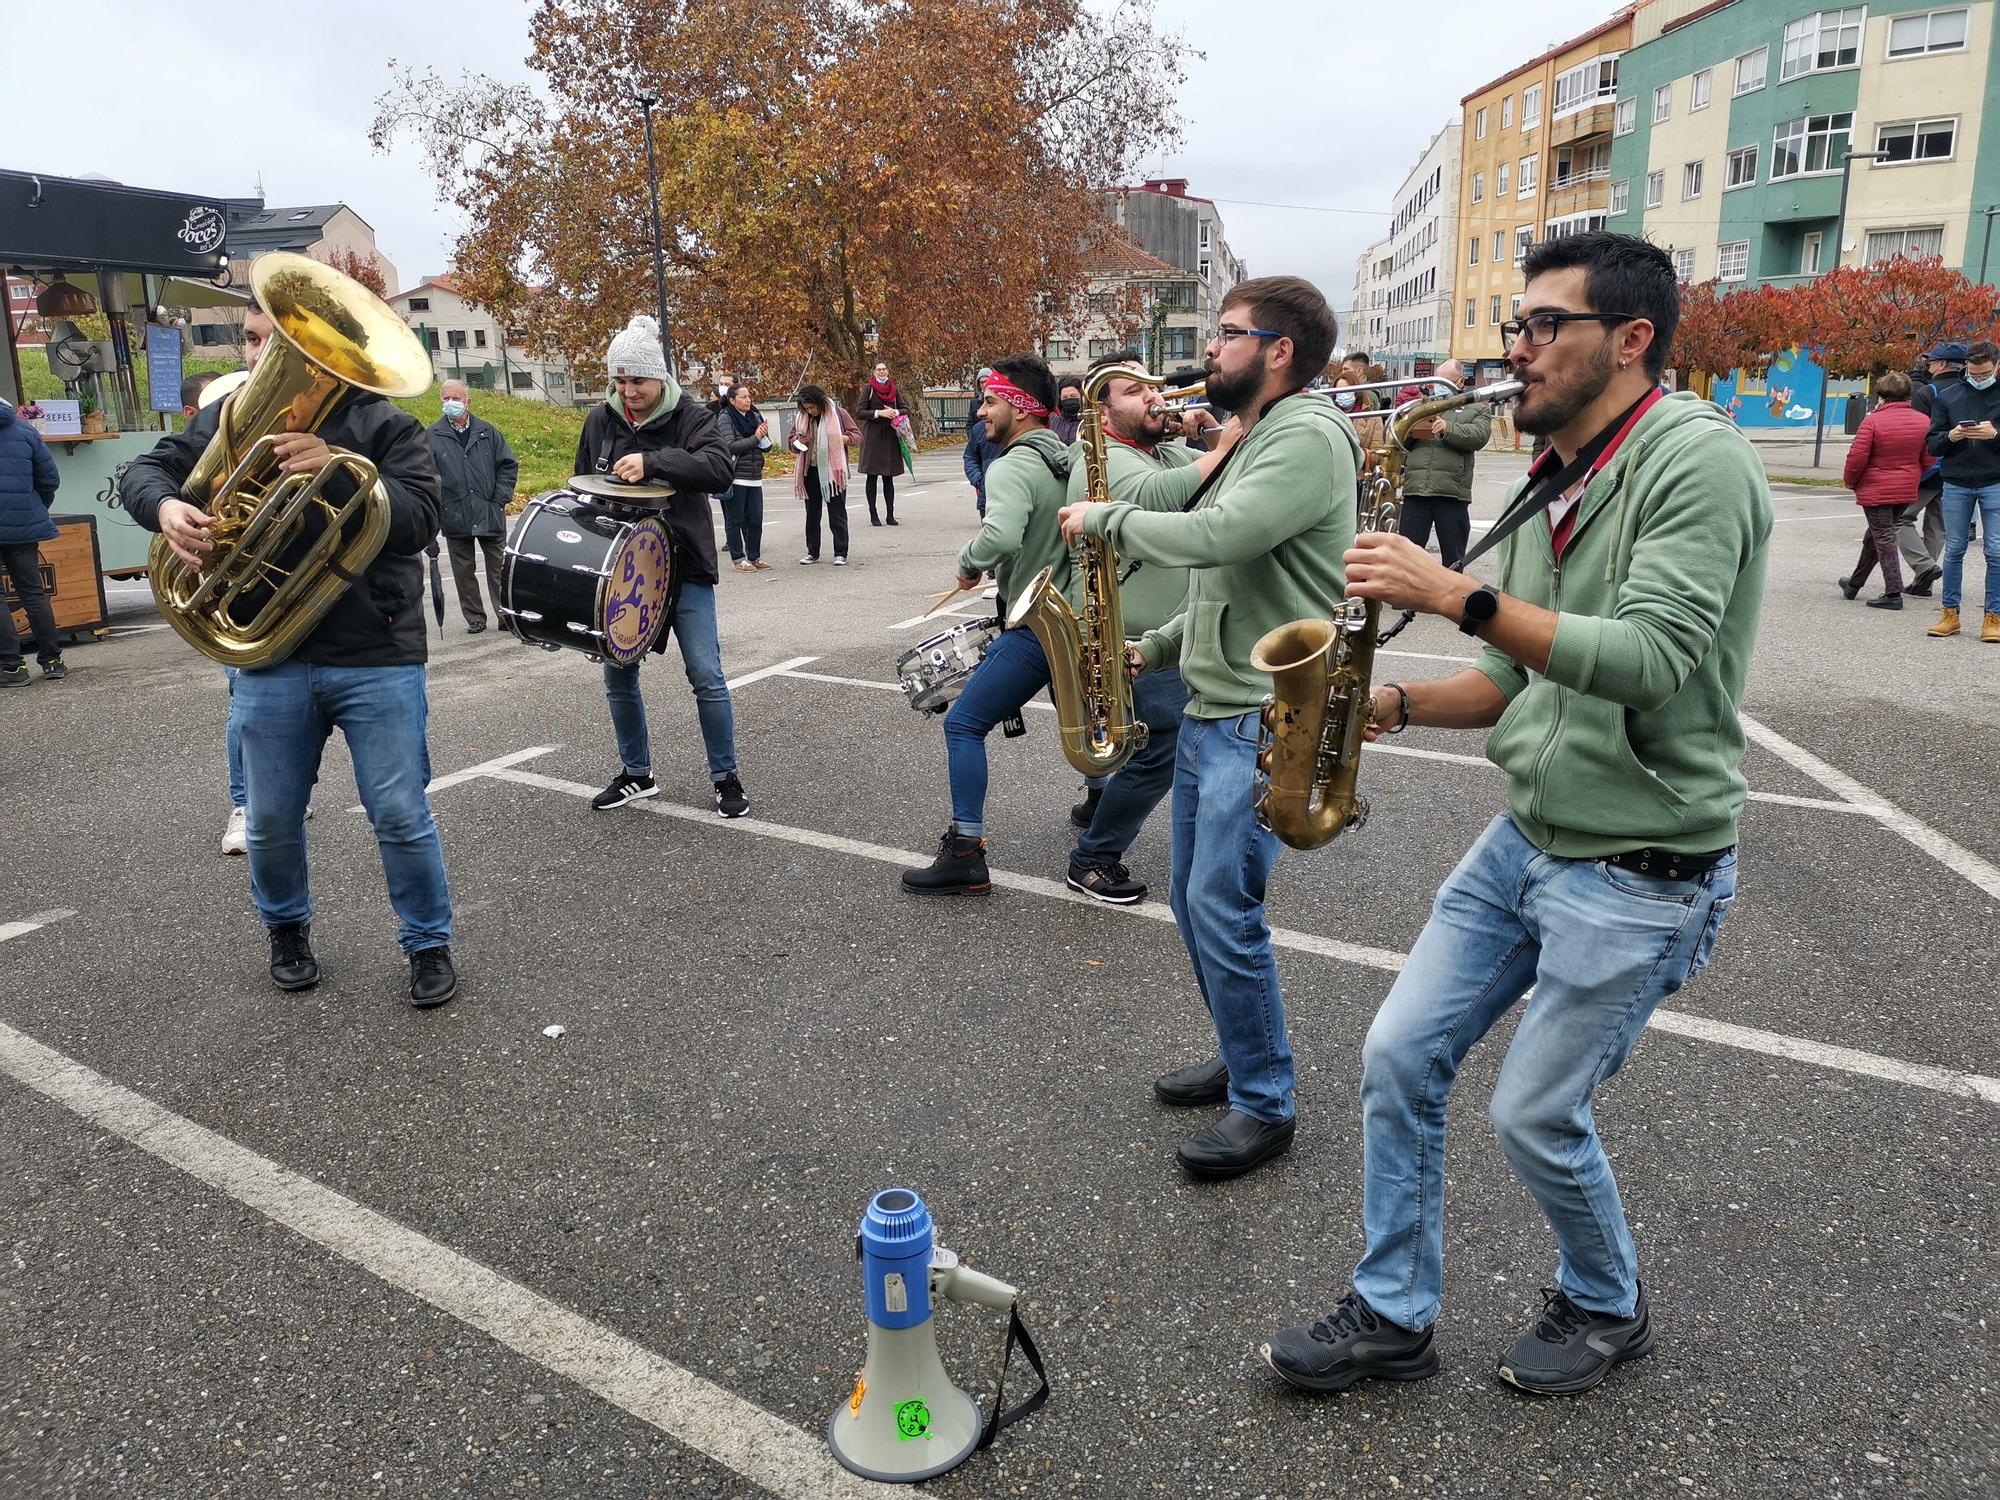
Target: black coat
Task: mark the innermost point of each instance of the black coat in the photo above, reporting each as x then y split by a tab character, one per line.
881	451
476	476
683	448
379	621
1974	461
747	449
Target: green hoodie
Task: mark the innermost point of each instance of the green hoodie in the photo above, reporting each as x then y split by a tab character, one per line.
1021	535
1165	479
1265	545
1631	738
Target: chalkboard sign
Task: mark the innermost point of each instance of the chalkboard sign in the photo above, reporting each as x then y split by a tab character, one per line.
163	368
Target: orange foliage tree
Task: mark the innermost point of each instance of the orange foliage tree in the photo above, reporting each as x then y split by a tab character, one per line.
840	180
366	269
1863	320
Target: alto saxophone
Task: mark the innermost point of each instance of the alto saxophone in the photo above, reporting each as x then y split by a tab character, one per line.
1322	671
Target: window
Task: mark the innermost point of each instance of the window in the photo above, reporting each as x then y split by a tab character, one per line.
1174	296
1750	71
1569	224
1883	243
1656	189
1920	140
1103	348
1507	113
1530	169
1514	306
1204	234
1499	240
516	334
1472	251
420	304
1817	143
1580	164
1940	31
521	380
1524	236
1177	343
1493	311
455	338
1594	82
1058	349
1478	186
1684	266
479	338
1691	181
1809	253
1627	118
1825	39
1531	106
1698	91
1471	312
1500	181
1621	196
1663	103
1479	125
431	339
1740	169
1732	261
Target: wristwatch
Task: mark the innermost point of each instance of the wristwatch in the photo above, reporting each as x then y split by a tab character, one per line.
1481	605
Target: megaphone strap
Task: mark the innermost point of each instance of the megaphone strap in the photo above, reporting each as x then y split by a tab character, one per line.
1017	1335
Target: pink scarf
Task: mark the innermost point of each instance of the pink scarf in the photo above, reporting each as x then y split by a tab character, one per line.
804	428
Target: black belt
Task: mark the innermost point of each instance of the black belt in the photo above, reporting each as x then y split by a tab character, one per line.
1668	864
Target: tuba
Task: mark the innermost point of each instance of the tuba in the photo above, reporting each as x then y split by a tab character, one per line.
1322	671
285	548
1087	677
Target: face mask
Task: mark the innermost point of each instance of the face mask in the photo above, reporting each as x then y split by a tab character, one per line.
1344	400
454	409
1071	405
1979	385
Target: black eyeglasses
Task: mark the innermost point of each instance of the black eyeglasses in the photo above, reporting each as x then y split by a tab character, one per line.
1542	328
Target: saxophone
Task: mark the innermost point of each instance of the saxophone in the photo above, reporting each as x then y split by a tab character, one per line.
1087	677
1322	671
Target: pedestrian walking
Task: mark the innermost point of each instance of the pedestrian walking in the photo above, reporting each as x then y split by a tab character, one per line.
980	451
476	475
748	434
28	482
1965	433
1068	415
822	432
1437	473
880	406
1920	529
1884	464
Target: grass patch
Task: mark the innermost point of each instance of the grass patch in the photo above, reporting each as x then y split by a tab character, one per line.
1816	481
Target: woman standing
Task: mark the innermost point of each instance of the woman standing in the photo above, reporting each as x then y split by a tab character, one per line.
881	453
821	433
748	434
1884	464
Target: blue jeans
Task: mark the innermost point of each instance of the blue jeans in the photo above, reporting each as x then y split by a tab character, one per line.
1222	861
283	715
1013	671
233	741
1158	699
1602	947
693	626
1959	499
743	522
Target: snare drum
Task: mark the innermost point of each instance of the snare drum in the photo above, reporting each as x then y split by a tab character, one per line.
934	671
577	576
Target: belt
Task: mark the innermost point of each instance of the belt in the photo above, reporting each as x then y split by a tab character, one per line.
1668	864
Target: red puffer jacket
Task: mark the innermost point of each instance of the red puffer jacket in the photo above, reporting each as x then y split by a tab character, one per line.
1888	456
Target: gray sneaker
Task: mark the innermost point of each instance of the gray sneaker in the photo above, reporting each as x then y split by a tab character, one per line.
1571	1348
1350	1343
14	677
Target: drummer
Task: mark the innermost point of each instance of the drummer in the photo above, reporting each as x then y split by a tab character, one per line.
648	431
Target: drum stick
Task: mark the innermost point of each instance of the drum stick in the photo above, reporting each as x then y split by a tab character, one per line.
943	599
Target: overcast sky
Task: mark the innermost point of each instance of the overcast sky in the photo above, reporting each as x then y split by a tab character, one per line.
1324	104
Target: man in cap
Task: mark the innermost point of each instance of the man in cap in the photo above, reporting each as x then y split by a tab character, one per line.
1920	527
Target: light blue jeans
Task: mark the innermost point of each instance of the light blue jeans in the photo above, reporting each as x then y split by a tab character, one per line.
1602	947
1959	501
693	626
283	716
233	743
1222	862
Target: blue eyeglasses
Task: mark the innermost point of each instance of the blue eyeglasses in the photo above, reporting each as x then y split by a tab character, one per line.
1225	333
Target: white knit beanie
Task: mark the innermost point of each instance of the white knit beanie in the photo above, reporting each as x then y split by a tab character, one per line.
635	351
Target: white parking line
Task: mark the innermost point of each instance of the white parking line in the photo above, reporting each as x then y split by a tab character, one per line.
1768	1043
775	669
762	1447
972	609
34	923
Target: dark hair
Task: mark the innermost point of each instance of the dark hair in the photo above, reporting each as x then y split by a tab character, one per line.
1893	386
1291	305
1353	355
813	395
1122	357
1031	373
193	386
1622	274
1981	350
1067	381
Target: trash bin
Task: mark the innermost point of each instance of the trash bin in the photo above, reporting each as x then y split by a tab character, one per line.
1857	408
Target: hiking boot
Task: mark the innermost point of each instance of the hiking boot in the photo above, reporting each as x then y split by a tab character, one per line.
1989	632
1350	1343
432	978
1571	1349
1886	601
236	833
53	670
293	966
1947	625
1847	586
731	801
627	788
1081	813
1111	884
958	870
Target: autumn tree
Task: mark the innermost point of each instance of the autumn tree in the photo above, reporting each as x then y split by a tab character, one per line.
366	269
1863	320
840	180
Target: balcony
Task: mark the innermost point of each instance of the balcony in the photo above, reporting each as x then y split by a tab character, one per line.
1579	179
1582	124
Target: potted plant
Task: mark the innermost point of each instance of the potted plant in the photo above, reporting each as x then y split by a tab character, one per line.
31	414
86	405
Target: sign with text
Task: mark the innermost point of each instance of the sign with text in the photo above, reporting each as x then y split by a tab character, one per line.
163	368
61	418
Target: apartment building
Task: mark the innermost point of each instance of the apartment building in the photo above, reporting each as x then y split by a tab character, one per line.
1366	326
1168	222
468	343
1132	300
1415	336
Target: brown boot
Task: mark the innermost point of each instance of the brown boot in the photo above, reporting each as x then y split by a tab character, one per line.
1990	631
1947	625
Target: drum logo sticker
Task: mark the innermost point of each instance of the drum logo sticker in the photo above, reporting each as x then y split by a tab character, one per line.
572	537
913	1421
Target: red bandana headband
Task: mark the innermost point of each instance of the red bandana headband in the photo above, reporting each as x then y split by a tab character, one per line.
999	385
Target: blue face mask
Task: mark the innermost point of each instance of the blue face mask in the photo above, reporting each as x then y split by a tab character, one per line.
1979	385
454	410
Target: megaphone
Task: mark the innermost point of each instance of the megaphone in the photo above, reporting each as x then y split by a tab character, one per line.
905	1420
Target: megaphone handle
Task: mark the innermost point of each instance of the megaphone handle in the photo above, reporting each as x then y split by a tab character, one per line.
1017	1333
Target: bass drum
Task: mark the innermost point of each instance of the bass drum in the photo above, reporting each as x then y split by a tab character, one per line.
580	577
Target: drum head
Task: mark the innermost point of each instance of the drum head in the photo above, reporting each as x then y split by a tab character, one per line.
618	492
635	595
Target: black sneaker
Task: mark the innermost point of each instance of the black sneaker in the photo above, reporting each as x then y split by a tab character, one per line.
15	677
1921	584
1082	812
627	788
958	870
54	671
432	978
731	801
1350	1343
1886	601
293	966
475	627
1848	587
1111	884
1571	1349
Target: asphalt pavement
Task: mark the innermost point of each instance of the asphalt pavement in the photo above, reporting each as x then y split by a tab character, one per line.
254	1244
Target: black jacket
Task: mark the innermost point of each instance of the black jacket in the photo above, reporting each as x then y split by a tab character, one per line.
379	621
683	448
476	475
1975	460
748	449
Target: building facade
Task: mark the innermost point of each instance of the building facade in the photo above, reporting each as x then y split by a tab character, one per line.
1734	121
1167	222
1417	303
1366	326
325	231
1536	163
468	343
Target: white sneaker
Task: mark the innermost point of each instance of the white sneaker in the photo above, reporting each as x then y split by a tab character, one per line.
840	562
236	837
807	561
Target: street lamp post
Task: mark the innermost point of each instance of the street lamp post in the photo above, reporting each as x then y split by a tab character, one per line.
1839	233
1986	243
646	103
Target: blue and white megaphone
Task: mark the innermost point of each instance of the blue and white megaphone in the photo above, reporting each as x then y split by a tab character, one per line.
905	1420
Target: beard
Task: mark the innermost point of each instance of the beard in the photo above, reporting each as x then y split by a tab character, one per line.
1555	405
1233	393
